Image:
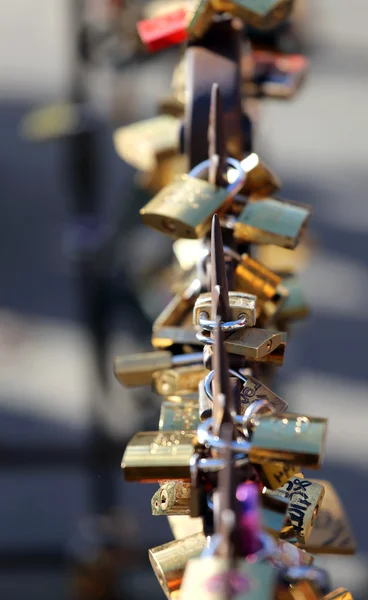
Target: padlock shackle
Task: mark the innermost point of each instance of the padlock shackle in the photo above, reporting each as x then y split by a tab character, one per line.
233	187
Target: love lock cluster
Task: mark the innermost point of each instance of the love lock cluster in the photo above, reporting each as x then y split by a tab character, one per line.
227	455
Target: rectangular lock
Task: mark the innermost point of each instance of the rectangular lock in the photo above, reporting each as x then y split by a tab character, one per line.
331	533
167	337
185	207
277	356
275	474
142	144
290	438
294	306
178	381
273	512
179	307
339	594
139	369
169	560
209	578
260	181
240	304
172	498
305	498
271	221
183	525
254	390
254	278
154	455
253	343
179	416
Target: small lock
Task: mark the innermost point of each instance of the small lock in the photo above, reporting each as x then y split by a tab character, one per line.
289	438
210	578
183	525
260	182
179	307
276	357
271	221
171	337
273	512
253	390
260	15
253	343
139	369
172	498
331	532
294	306
144	143
240	305
169	560
339	594
178	381
179	416
184	208
254	278
305	498
154	455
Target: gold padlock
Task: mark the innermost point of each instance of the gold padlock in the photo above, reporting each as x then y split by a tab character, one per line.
210	579
339	594
139	369
331	533
275	474
276	357
184	208
183	525
178	381
253	390
179	416
252	343
260	181
305	498
253	278
179	307
154	455
168	337
260	15
172	498
169	560
289	438
167	169
240	305
271	221
144	143
295	305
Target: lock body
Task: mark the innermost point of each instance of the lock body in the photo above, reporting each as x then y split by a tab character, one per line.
271	221
289	438
253	343
138	369
172	498
178	381
178	308
305	498
275	474
167	337
179	416
260	15
240	304
154	455
260	181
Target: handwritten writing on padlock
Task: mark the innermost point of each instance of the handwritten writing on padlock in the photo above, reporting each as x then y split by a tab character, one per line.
184	208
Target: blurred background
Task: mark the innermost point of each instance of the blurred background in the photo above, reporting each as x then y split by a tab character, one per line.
66	308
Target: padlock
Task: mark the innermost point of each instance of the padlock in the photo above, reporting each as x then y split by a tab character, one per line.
283	261
171	337
271	221
142	144
273	512
253	390
174	314
294	306
331	533
178	381
138	369
154	455
179	416
303	590
254	278
169	560
253	343
274	474
183	525
260	181
276	357
164	30
184	208
240	305
167	169
305	498
211	578
289	438
260	15
172	498
339	594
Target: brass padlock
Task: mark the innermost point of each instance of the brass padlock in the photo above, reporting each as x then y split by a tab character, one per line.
253	278
276	357
253	390
154	455
179	416
305	498
178	381
144	143
167	169
252	343
179	307
260	181
169	560
295	305
339	594
184	208
210	579
138	369
183	525
167	337
172	498
271	221
331	533
275	474
260	15
240	305
273	512
289	438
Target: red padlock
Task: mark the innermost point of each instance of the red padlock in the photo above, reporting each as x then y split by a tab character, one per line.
165	30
